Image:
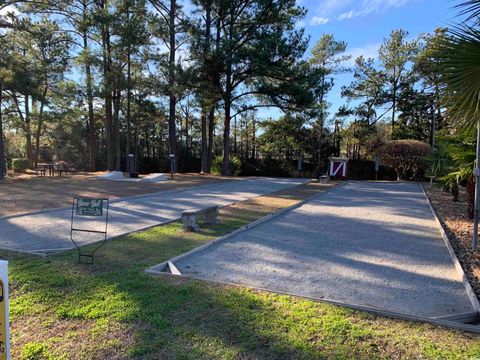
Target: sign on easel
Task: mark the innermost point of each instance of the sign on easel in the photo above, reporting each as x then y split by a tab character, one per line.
89	207
4	318
338	167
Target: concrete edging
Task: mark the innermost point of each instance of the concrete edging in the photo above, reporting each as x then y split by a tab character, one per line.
466	283
379	312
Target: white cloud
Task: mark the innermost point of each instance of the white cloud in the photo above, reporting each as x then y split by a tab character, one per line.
355	13
368	51
8	9
372	6
329	7
319	20
346	15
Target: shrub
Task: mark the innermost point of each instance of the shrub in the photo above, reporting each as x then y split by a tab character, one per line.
189	164
265	167
235	165
148	165
365	170
20	165
407	157
36	351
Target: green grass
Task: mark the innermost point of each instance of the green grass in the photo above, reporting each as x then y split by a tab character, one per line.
61	309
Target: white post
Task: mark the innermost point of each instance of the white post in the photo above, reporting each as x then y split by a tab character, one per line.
476	173
4	319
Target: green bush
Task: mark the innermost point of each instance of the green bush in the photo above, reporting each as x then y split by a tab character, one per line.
235	165
36	351
265	167
20	165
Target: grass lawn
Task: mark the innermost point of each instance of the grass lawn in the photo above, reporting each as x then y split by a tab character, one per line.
113	310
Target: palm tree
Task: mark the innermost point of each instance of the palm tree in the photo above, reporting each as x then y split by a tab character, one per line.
452	163
459	64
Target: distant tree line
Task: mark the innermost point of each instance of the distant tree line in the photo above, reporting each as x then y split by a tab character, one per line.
94	80
91	81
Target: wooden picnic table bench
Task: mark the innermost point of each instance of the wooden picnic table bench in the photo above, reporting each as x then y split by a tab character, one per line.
52	168
40	171
207	215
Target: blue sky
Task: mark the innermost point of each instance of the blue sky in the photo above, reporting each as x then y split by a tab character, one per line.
363	24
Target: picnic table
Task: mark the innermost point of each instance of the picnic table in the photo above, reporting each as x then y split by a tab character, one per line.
48	167
53	168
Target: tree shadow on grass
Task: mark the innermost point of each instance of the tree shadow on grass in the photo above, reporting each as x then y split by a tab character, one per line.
171	317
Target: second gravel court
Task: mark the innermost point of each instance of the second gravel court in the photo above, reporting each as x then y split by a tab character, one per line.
373	244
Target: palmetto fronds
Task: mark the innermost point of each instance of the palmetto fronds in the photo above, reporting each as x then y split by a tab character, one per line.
459	60
454	159
459	63
471	9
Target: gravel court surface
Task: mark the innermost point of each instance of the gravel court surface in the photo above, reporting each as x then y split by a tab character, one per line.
372	244
50	230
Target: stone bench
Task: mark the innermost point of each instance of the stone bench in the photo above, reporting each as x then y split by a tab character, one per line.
207	215
324	179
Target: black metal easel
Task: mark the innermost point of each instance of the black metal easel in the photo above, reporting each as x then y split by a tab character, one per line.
92	211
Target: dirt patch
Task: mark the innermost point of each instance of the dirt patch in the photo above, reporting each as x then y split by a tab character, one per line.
453	216
27	194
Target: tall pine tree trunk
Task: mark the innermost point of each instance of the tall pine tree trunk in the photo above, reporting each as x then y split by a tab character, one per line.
320	144
394	99
107	79
116	126
226	133
254	139
129	92
227	98
3	167
247	141
204	145
204	156
129	103
187	137
28	132
172	135
92	139
211	138
320	130
235	132
39	125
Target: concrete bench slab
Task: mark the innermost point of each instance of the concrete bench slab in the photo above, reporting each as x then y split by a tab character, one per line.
190	218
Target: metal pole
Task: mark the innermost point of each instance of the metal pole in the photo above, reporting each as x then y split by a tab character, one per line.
476	173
